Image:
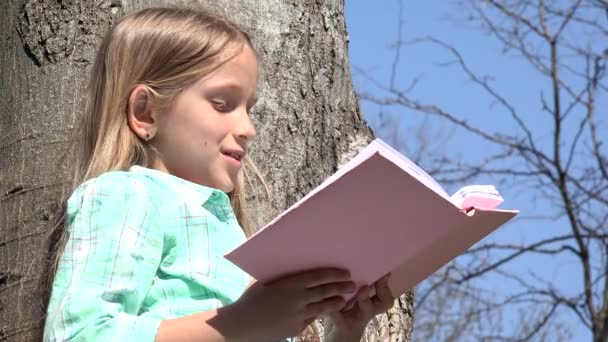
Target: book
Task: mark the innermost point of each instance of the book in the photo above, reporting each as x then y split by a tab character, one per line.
378	213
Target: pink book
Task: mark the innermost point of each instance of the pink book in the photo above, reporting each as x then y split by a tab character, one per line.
379	213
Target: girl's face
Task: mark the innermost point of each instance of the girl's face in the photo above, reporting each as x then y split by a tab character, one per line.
204	137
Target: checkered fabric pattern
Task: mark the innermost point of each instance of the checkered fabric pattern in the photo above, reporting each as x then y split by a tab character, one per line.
143	246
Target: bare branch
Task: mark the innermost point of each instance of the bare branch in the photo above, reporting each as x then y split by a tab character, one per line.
599	69
541	18
577	136
518	18
507	37
520	250
567	18
570	174
484	84
398	44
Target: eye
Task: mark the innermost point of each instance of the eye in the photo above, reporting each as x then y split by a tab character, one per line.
221	105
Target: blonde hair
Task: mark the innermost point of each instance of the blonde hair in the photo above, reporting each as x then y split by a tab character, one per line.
167	50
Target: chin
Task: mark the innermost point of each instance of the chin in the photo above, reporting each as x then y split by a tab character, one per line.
227	189
227	186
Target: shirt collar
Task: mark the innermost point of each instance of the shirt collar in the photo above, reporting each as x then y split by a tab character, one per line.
184	187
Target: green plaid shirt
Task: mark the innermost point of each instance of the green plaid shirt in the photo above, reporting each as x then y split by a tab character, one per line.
144	246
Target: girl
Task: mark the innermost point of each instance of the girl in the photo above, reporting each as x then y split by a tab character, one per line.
160	199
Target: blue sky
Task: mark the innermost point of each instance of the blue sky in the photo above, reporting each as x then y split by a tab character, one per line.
372	28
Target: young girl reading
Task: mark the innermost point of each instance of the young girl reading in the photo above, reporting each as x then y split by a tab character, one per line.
158	200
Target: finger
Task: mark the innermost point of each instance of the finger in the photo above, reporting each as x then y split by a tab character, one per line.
321	292
384	297
333	320
318	277
334	316
350	304
325	307
365	303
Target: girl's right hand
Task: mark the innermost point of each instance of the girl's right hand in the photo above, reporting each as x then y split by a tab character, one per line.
285	307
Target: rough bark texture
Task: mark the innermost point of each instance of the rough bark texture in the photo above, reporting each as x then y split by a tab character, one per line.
308	123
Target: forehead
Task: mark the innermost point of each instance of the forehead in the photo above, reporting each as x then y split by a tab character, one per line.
239	71
239	59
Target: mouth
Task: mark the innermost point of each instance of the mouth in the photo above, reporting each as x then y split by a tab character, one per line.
234	154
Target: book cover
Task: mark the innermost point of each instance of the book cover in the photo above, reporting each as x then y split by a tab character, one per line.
379	213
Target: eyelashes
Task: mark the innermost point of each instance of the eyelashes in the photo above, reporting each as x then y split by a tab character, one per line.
222	105
226	106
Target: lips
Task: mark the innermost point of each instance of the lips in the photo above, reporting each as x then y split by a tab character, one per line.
235	154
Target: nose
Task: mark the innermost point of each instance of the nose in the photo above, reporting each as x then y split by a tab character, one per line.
244	128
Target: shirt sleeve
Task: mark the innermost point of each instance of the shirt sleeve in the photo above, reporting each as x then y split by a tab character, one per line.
108	264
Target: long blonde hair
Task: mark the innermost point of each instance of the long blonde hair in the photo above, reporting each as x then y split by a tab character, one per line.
167	50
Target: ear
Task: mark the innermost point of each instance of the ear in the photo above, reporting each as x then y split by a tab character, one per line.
140	114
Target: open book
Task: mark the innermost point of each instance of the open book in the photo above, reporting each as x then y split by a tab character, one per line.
379	213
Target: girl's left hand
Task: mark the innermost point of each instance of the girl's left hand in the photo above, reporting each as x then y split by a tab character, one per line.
349	325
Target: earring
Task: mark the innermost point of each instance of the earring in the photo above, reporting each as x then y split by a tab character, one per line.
147	136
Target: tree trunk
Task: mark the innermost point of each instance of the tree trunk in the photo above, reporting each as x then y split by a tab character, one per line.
308	124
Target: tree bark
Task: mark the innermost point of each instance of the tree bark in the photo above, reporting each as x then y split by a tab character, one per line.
308	124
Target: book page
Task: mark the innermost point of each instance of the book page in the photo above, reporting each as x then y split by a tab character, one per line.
410	167
376	146
477	196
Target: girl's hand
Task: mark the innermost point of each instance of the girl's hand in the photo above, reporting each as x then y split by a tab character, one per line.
348	326
285	307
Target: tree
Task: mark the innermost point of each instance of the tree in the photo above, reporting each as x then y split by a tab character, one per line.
308	123
555	154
